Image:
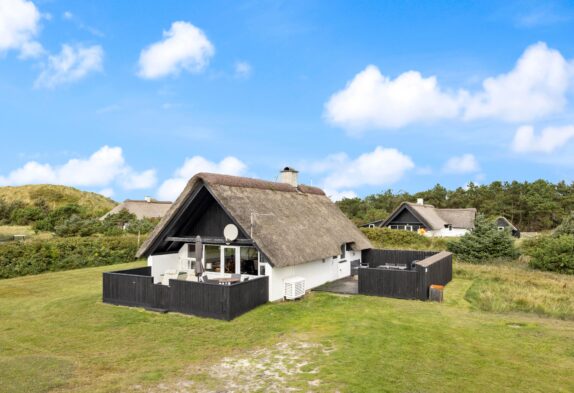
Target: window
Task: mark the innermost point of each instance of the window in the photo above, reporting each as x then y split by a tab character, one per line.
248	260
262	269
343	250
212	259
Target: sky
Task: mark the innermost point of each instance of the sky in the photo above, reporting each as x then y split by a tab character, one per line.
132	101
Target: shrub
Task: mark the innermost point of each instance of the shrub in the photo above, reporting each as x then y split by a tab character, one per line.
567	226
484	243
38	256
394	238
555	254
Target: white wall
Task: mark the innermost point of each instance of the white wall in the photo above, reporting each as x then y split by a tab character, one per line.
315	273
160	263
445	232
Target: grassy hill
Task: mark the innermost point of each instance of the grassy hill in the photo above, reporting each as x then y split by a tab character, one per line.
57	196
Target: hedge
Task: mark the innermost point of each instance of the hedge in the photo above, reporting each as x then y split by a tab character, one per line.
38	256
395	238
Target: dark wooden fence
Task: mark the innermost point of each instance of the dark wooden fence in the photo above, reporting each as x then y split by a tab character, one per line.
375	257
435	268
135	287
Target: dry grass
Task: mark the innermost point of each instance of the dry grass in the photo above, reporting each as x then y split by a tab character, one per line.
513	286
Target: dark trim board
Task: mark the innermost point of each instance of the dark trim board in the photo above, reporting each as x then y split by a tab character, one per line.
210	240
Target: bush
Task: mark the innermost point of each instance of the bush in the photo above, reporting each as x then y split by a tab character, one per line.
554	254
394	238
484	243
38	256
567	226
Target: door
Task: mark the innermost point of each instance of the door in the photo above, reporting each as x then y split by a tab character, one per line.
229	259
344	268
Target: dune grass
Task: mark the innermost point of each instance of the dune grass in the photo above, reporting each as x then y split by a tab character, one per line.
513	286
55	334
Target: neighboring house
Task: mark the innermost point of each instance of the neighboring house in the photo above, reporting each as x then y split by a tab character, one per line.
373	224
283	230
429	220
147	208
504	224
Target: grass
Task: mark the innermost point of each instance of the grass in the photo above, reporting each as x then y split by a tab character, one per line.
55	334
56	196
513	286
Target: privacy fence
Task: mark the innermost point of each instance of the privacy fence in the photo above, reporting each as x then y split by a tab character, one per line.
135	287
403	274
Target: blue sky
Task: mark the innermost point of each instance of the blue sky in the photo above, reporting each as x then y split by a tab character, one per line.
359	96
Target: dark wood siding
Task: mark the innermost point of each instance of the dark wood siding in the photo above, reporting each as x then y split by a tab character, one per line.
410	283
375	257
135	288
405	217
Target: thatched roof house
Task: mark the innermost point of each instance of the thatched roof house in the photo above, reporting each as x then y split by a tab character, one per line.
294	230
430	220
148	208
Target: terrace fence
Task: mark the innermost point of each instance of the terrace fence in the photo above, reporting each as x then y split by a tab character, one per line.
135	287
421	270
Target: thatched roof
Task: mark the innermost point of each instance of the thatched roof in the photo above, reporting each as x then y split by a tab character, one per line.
292	225
435	218
142	209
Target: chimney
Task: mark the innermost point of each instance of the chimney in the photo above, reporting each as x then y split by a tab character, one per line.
147	199
289	175
420	201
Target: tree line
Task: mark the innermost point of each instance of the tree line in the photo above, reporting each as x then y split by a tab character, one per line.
531	206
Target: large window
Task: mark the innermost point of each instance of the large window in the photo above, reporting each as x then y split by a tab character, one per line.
212	259
248	260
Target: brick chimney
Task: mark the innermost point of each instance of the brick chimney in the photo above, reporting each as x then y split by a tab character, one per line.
290	176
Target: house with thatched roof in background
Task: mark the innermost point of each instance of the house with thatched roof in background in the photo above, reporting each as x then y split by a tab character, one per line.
429	220
285	231
146	208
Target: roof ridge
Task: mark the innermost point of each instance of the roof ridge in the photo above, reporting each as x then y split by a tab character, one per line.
248	182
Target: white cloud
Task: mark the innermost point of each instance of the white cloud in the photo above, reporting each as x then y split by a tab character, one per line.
68	15
243	69
340	173
550	139
19	25
466	163
536	87
107	192
379	167
184	47
70	65
335	195
102	168
374	100
171	188
138	180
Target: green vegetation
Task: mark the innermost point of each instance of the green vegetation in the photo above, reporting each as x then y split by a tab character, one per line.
485	243
113	225
535	206
513	286
56	334
55	196
554	254
37	256
392	238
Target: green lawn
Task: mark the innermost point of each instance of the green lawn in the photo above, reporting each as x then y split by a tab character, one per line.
55	334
